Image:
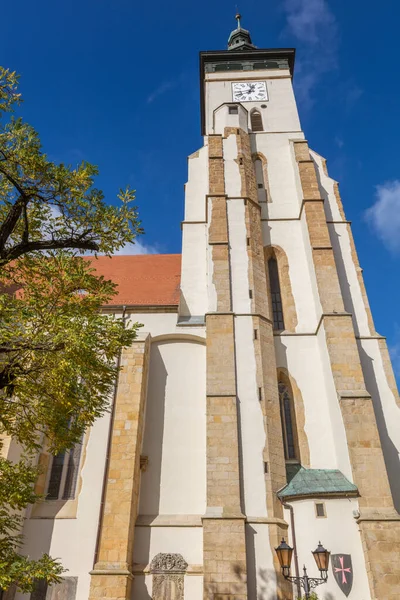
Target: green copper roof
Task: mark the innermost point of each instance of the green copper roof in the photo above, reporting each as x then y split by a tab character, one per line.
316	482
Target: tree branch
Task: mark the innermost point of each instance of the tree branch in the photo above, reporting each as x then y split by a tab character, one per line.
43	347
22	248
15	211
25	235
11	221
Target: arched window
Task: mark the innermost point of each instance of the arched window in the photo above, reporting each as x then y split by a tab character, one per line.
277	310
64	474
256	121
288	420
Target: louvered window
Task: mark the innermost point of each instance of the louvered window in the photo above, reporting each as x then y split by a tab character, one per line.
256	121
64	474
277	310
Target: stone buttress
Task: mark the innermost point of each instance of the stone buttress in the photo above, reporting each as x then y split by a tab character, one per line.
379	522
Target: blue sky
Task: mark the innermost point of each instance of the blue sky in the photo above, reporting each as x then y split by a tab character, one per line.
116	82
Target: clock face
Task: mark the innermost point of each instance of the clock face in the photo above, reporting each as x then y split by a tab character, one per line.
249	91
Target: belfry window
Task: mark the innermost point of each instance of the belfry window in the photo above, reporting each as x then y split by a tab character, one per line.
276	297
64	474
288	422
256	121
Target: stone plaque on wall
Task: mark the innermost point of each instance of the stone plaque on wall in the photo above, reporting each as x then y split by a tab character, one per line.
168	572
66	590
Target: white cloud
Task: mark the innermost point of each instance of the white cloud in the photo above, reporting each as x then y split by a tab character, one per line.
137	248
384	214
394	351
395	356
309	20
313	24
339	141
162	89
352	96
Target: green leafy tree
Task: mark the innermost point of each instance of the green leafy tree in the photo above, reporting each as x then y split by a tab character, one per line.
57	351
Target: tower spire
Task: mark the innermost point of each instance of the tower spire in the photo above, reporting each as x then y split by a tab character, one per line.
240	38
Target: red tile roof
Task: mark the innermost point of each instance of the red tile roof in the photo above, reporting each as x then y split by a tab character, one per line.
145	280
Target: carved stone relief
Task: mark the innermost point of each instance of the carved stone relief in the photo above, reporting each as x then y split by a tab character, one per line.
168	576
66	590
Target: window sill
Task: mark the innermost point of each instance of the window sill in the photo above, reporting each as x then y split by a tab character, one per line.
55	509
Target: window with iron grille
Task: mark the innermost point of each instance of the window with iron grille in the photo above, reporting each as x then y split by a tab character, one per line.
64	474
256	121
276	298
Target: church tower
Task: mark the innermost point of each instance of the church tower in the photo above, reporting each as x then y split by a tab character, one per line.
258	401
297	376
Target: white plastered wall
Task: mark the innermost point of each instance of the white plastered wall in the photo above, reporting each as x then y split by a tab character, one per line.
187	541
174	483
349	285
174	437
338	229
281	112
251	420
387	411
223	118
73	540
164	324
305	354
286	196
289	235
339	533
300	355
194	300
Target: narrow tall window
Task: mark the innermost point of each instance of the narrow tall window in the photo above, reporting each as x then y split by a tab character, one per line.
40	590
277	311
57	467
64	474
288	423
259	173
256	121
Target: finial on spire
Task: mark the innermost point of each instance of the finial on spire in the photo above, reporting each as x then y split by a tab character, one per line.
240	38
